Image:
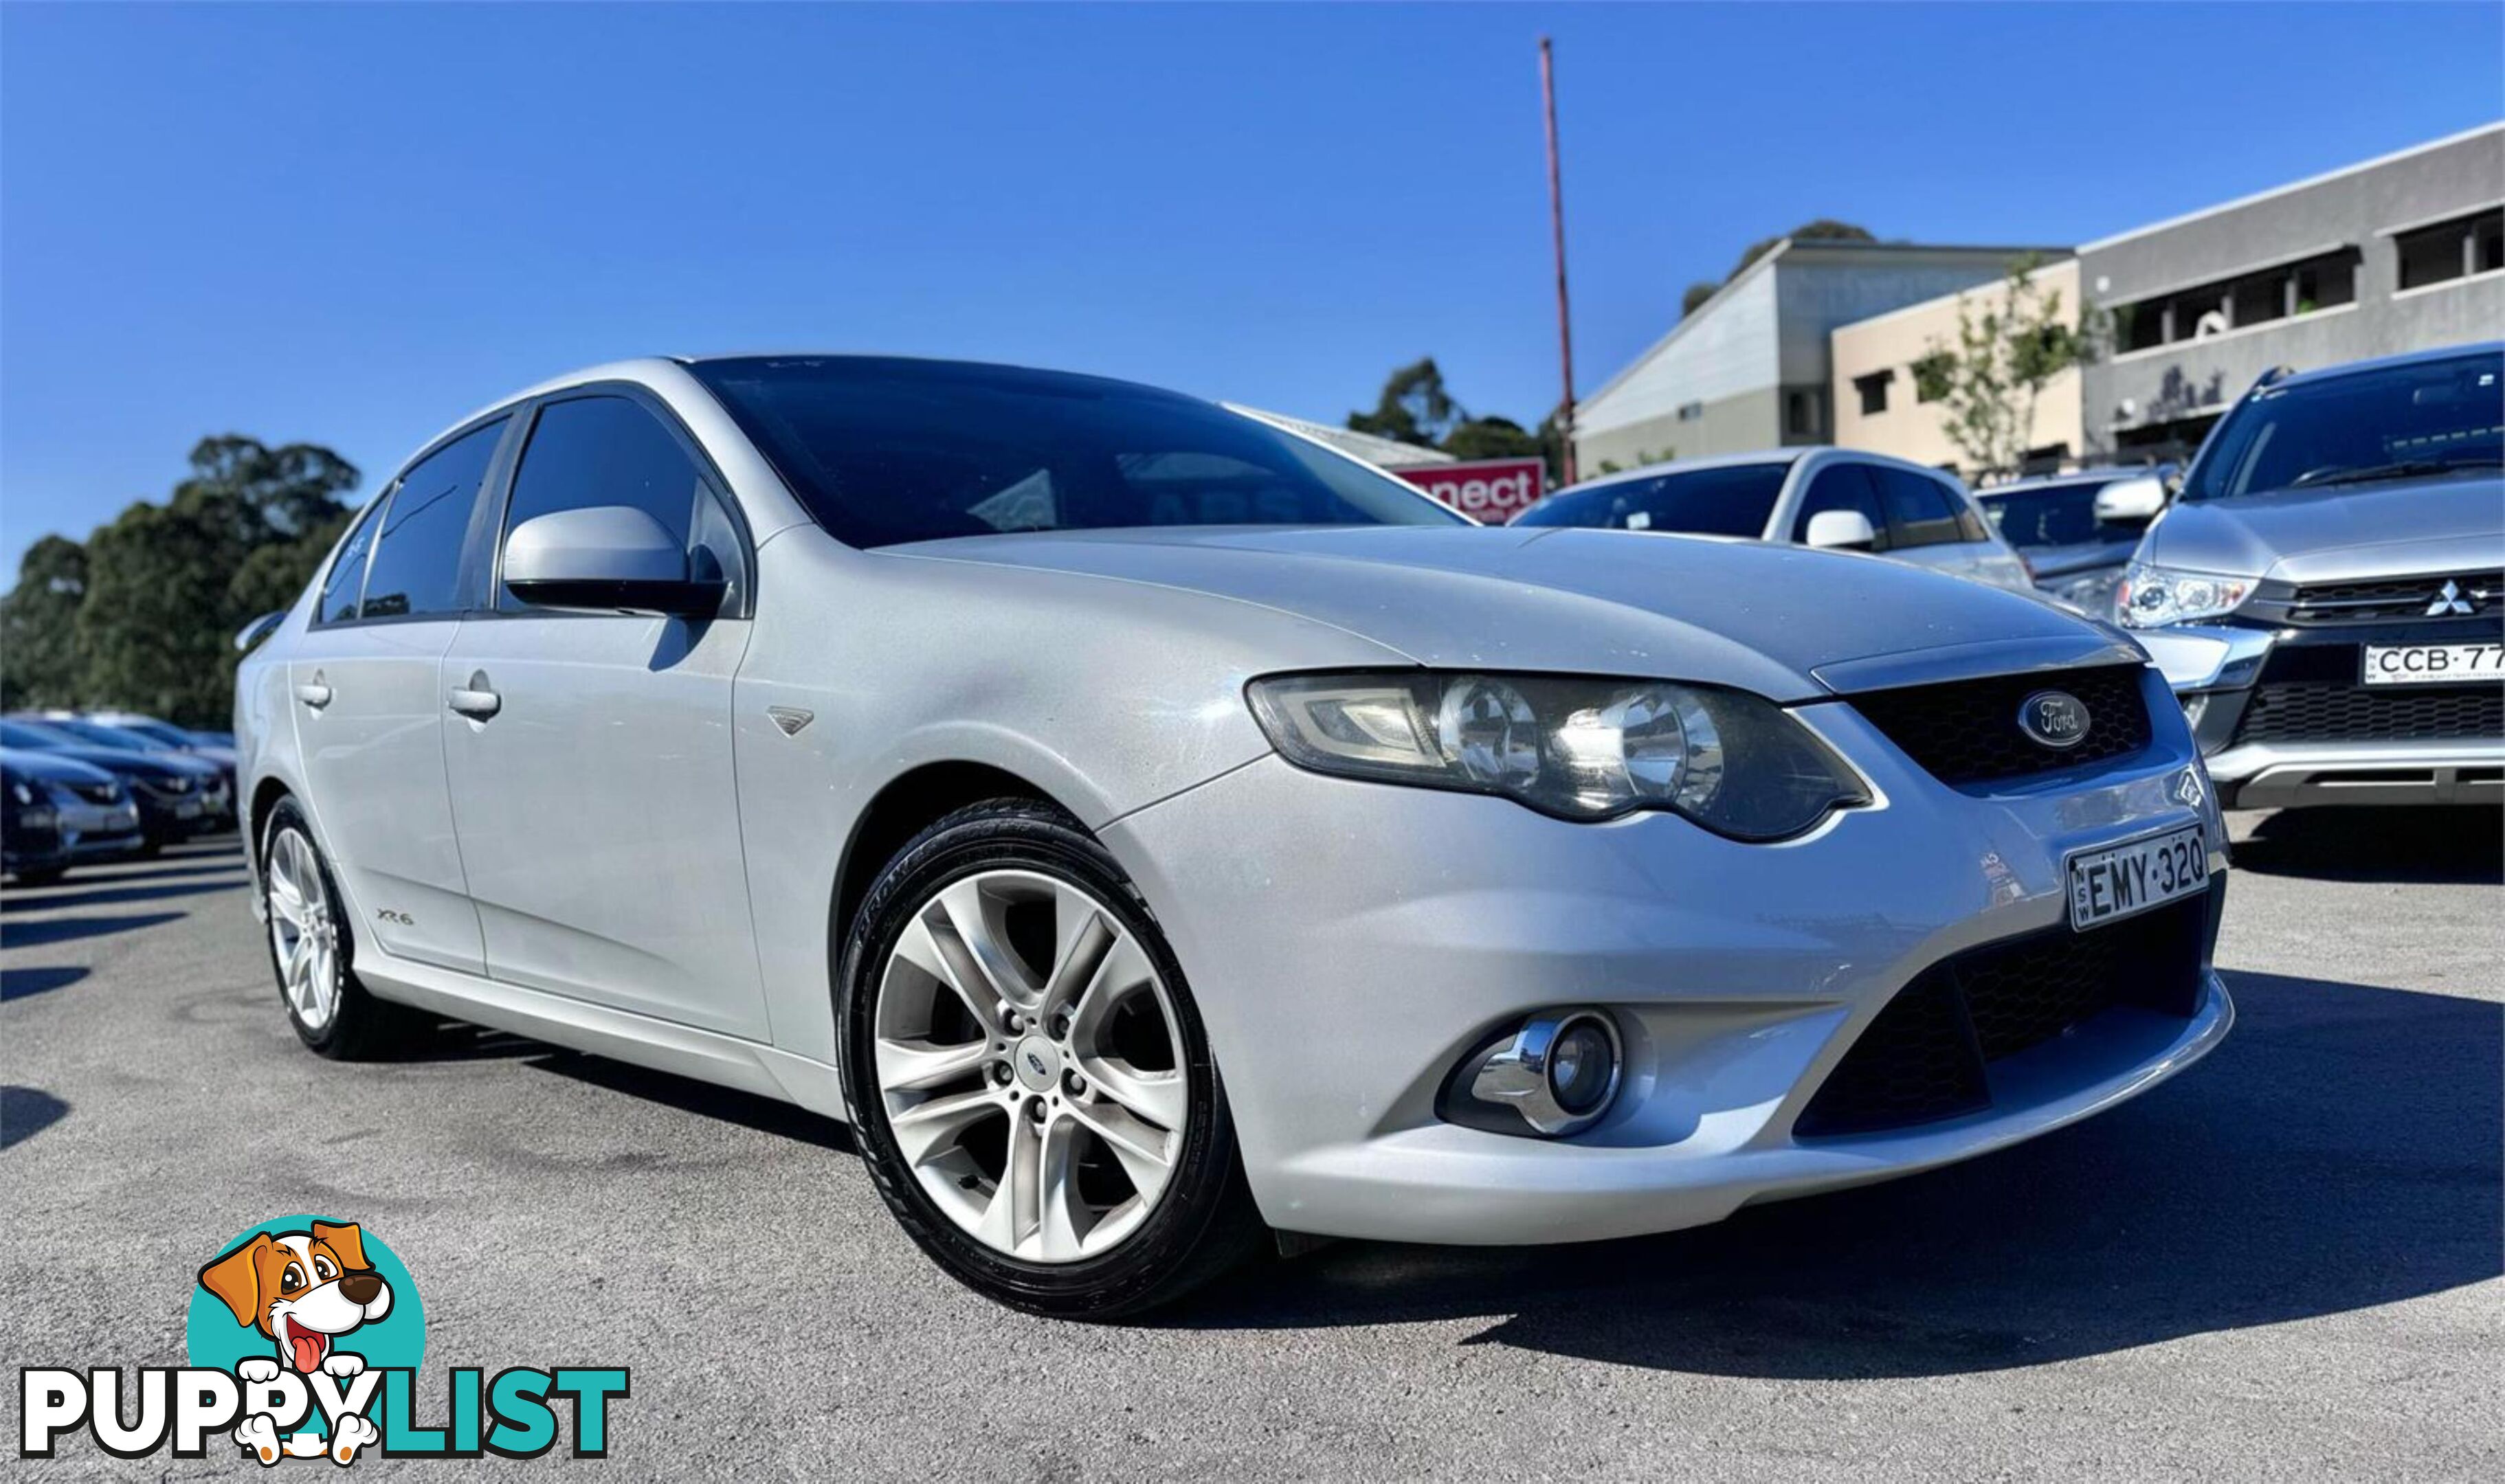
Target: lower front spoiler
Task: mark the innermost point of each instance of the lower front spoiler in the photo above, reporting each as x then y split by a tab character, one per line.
1453	1185
2282	775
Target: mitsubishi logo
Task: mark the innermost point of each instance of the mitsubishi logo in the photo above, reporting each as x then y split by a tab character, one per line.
2449	602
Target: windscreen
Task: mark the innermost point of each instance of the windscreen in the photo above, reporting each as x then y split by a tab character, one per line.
2399	422
884	451
1732	500
2053	515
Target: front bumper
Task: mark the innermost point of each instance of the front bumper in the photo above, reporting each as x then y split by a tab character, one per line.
2283	720
1348	941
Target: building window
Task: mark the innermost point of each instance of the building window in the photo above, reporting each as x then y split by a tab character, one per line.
1689	412
2450	250
2280	293
1801	418
1873	391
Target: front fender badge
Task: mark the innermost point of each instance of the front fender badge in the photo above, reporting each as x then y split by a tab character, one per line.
791	719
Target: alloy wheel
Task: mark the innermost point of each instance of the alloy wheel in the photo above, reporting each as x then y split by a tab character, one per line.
1029	1064
303	930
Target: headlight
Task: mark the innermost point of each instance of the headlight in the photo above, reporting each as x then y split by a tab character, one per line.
1567	745
18	791
2150	596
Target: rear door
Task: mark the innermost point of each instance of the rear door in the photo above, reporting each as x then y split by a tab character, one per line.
366	690
596	806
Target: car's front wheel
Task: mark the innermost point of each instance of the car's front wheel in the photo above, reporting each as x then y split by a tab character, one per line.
1028	1077
312	950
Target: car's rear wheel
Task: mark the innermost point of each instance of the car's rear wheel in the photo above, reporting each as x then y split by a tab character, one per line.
1028	1076
312	950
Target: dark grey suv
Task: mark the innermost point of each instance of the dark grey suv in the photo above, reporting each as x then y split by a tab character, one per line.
2327	593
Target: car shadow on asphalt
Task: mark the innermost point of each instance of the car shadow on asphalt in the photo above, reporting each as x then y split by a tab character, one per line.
107	894
25	935
2462	846
2339	1152
24	983
25	1112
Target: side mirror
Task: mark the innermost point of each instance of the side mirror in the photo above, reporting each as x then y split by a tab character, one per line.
1842	529
258	629
606	557
2131	502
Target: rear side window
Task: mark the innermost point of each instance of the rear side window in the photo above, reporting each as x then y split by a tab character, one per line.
611	451
1843	487
1920	509
417	555
1712	501
347	579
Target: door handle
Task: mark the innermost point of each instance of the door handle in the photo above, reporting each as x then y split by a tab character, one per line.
474	699
314	693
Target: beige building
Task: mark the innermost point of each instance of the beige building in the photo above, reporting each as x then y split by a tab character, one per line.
1878	406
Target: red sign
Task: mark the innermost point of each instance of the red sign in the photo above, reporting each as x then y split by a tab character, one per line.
1490	490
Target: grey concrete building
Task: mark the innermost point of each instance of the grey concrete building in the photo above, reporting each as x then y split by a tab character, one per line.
2397	253
1751	368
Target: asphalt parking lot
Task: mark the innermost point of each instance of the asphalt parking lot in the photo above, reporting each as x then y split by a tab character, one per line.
2283	1264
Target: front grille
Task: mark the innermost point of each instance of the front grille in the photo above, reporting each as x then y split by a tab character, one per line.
1966	732
2311	713
1928	1054
2384	599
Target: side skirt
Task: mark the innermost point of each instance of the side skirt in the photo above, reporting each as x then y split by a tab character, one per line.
664	1045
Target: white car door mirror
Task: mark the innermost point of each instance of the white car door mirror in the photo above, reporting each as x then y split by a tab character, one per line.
606	557
1842	529
2131	502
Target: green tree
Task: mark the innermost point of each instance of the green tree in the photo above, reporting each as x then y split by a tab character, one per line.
1414	407
2009	347
141	613
38	658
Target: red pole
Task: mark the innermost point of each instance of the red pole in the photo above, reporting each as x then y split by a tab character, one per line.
1557	233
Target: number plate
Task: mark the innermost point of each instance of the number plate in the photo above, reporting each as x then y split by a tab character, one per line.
2120	880
2433	664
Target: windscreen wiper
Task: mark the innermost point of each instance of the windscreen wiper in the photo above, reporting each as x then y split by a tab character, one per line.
2406	468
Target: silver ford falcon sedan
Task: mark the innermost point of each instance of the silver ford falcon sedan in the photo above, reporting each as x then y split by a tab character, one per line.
1151	829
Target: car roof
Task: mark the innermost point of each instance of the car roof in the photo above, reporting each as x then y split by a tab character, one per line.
2108	475
2387	362
1765	456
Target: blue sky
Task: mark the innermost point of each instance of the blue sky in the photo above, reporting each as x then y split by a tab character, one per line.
351	224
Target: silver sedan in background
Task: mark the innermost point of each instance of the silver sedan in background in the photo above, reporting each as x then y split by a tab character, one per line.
1151	829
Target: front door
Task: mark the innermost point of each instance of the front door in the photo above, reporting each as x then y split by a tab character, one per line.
589	753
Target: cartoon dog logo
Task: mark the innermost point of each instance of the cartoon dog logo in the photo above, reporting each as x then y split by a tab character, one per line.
303	1290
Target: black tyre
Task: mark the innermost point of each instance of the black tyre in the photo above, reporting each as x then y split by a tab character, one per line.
312	950
1028	1077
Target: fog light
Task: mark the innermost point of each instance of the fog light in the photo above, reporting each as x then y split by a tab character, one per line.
1582	1063
1555	1075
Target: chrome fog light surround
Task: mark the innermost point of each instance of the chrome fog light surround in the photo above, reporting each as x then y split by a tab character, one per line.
1542	1074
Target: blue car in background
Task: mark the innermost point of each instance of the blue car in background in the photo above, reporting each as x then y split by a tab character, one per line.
61	812
178	796
2076	531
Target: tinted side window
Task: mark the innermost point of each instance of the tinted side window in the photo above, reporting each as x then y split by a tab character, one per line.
347	579
417	555
1920	512
1843	487
603	451
611	451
